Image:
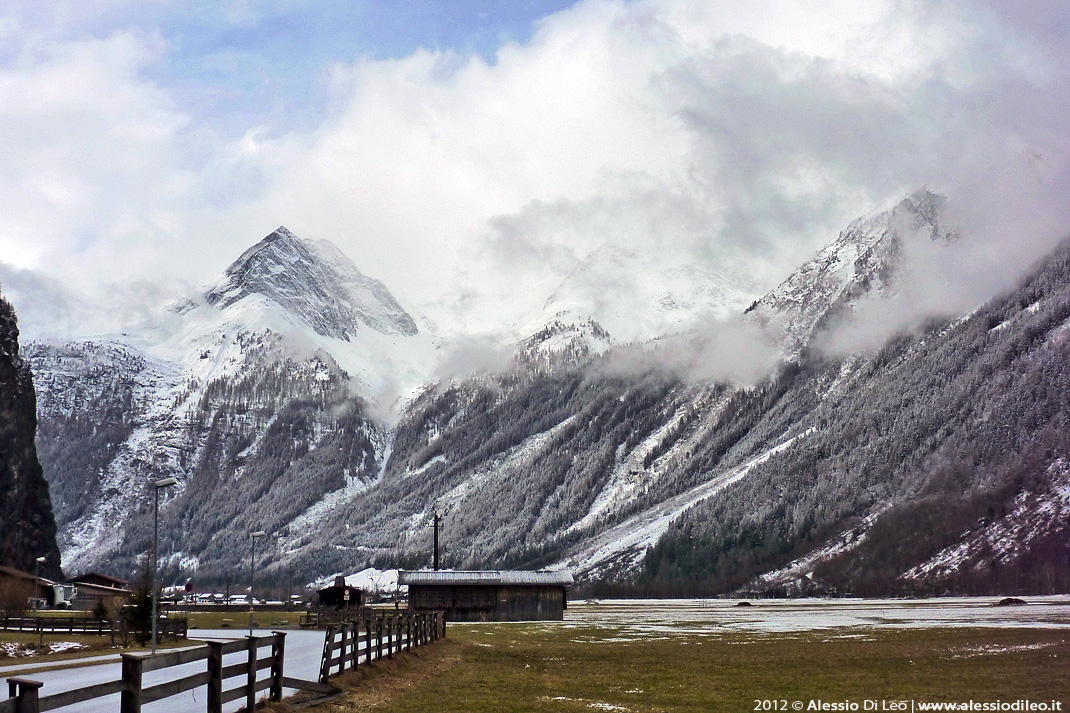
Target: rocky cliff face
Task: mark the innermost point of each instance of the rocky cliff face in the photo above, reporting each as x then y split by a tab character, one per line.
27	528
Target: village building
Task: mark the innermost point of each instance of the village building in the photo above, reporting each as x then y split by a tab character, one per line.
92	588
490	595
100	580
19	590
341	595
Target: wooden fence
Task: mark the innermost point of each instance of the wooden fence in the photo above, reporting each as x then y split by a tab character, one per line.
348	645
25	695
84	625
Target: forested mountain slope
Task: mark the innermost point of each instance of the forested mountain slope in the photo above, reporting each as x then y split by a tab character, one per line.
952	443
936	463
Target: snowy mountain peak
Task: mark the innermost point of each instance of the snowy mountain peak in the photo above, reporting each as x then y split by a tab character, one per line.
314	282
864	261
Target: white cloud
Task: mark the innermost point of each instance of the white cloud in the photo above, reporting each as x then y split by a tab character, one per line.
704	128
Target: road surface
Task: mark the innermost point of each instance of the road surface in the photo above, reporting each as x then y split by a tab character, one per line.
303	652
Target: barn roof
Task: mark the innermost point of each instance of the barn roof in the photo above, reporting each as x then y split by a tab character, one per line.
19	574
488	577
115	581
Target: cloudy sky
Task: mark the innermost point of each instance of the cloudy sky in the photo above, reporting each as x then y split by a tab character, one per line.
470	153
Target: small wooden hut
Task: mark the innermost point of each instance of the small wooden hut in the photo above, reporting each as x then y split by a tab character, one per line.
341	595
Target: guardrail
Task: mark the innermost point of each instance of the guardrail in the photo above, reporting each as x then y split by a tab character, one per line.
348	645
25	694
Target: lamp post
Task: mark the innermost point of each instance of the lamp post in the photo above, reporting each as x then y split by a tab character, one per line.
158	485
252	572
37	584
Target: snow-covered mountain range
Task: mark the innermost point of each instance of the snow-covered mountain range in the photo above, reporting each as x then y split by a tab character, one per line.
864	263
295	395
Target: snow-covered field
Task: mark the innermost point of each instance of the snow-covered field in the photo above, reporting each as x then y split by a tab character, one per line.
641	619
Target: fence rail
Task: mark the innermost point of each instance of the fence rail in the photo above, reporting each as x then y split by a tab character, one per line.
84	625
345	646
24	695
362	641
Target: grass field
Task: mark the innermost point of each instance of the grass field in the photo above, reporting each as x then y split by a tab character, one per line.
540	667
86	645
236	619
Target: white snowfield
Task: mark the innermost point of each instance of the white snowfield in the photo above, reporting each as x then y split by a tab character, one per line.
623	546
652	618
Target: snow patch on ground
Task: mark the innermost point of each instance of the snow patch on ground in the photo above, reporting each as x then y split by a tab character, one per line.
14	650
640	620
380	581
993	649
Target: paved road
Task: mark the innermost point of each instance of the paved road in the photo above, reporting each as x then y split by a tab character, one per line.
303	651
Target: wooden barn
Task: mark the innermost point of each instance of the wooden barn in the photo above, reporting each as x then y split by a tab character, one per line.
18	588
341	595
94	587
489	595
99	580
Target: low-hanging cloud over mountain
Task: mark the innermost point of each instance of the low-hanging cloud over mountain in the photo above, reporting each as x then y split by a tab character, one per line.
472	186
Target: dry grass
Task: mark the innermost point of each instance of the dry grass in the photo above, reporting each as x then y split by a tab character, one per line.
94	646
511	667
237	619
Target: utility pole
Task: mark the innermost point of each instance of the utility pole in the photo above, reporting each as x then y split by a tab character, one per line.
252	572
157	486
437	526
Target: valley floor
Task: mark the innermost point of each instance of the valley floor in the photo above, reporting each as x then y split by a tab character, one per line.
701	655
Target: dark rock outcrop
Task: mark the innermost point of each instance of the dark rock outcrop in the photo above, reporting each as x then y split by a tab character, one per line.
27	527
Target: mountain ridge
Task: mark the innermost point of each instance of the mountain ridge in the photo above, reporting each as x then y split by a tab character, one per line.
537	466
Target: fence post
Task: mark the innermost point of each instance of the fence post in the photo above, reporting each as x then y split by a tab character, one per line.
215	677
390	637
250	681
347	642
367	641
130	698
328	649
278	651
27	693
355	652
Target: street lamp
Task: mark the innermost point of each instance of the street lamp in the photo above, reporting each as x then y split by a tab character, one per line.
37	584
252	572
158	485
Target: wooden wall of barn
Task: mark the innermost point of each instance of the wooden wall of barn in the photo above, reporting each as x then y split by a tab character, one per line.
491	602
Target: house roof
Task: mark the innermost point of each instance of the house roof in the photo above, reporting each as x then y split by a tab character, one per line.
86	588
340	588
18	573
484	577
116	582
